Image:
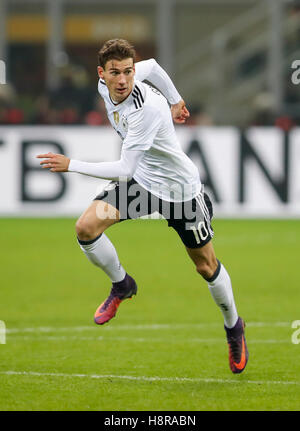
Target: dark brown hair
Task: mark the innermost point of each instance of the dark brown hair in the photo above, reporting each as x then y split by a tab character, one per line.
115	49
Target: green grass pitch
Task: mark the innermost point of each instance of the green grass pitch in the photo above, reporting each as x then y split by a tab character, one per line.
166	348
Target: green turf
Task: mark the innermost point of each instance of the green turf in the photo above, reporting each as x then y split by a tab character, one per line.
47	282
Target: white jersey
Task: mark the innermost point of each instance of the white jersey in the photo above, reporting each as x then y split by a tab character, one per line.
144	122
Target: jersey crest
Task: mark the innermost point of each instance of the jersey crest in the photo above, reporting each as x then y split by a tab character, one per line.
124	123
116	117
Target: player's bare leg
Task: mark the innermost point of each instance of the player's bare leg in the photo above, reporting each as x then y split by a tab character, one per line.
95	220
219	285
204	259
100	251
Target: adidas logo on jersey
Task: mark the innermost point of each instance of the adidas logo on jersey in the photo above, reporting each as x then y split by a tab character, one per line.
137	97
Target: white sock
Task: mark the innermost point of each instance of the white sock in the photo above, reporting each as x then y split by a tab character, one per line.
102	253
221	290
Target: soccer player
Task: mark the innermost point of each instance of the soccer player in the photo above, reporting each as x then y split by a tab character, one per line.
153	174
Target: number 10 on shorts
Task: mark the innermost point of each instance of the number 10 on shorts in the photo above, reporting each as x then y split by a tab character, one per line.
200	232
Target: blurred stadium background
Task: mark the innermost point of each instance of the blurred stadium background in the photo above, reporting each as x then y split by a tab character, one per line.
231	60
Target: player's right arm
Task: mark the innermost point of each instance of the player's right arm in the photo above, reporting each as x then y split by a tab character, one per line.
142	128
123	168
151	71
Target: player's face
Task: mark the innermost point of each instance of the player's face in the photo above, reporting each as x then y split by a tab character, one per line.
119	77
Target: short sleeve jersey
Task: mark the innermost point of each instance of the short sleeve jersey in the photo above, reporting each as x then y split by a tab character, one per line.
144	122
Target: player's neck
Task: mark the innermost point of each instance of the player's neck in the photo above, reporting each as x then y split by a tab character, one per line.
114	102
121	101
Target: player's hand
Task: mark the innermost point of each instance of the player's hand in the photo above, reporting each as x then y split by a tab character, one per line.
54	162
179	112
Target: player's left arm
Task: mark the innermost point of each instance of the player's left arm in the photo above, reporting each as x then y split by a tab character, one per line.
151	71
180	112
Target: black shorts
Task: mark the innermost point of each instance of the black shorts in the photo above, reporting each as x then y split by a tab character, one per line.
190	219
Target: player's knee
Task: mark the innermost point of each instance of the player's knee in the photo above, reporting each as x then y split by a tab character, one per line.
206	268
86	230
203	269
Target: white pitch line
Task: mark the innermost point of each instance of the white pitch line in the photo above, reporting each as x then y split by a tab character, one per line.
149	378
138	327
139	339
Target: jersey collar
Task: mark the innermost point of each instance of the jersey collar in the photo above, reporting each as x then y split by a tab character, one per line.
136	97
